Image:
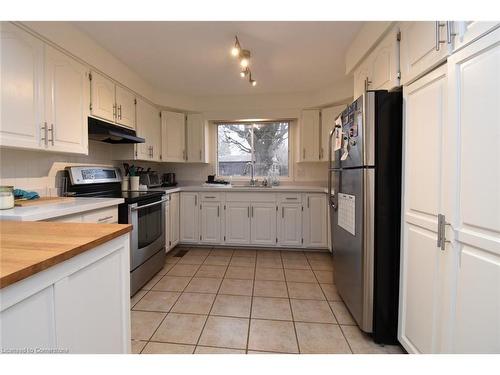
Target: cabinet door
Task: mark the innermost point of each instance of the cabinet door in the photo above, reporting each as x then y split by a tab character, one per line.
362	78
420	49
263	223
421	261
237	223
309	135
102	97
189	216
328	116
315	221
210	222
30	323
149	128
290	225
125	107
385	63
174	219
195	138
173	131
21	96
92	306
66	102
472	197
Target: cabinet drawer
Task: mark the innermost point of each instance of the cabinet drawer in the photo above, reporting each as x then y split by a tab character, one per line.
210	197
290	198
102	216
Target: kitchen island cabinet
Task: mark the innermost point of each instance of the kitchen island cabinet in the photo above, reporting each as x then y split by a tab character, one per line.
64	288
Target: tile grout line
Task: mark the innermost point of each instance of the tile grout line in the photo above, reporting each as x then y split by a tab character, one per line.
251	302
330	307
291	309
213	303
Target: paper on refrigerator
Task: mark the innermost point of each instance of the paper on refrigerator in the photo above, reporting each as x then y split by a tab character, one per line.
338	134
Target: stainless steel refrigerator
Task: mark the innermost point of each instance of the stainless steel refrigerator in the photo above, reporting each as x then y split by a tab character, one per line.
365	210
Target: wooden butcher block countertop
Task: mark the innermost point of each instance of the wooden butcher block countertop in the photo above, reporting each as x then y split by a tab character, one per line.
27	248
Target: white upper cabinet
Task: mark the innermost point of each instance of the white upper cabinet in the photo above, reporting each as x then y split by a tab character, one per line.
66	102
328	116
112	102
424	45
309	135
22	121
102	96
380	69
263	223
195	138
149	128
173	140
44	95
125	107
315	221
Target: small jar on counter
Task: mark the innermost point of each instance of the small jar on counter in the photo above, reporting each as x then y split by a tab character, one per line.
6	197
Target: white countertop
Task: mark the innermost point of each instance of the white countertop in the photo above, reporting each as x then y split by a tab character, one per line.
49	211
240	188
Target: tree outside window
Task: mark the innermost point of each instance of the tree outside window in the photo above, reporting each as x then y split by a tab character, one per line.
263	143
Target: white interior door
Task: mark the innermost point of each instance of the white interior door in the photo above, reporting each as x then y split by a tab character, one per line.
173	136
125	107
237	223
21	83
210	222
263	223
290	225
421	259
66	102
102	96
473	197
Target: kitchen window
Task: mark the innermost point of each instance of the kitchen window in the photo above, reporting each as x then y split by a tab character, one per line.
264	143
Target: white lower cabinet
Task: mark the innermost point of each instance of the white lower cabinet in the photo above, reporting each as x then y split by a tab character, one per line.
210	222
81	305
263	223
174	220
289	224
237	223
189	217
315	221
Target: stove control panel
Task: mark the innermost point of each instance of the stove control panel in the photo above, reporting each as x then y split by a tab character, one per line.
93	175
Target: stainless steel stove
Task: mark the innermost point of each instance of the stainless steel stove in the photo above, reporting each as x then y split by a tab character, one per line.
145	210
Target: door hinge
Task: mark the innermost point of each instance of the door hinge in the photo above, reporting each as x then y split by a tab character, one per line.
169	243
200	206
441	232
200	237
276	239
90	76
136	153
90	106
224	238
224	210
135	101
302	208
302	240
276	208
398	36
159	114
399	74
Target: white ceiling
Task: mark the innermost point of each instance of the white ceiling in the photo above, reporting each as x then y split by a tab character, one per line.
194	58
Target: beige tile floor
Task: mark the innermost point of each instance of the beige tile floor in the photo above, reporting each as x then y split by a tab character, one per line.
214	300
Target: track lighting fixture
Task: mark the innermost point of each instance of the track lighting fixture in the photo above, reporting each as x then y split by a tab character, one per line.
244	57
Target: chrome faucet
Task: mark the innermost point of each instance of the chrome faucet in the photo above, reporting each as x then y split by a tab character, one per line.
251	165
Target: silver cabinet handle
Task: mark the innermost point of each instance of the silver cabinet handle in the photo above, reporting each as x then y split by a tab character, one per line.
105	218
209	197
290	198
252	211
196	200
114	111
308	202
120	111
449	32
248	211
304	153
439	24
200	155
218	211
51	130
283	212
45	134
367	83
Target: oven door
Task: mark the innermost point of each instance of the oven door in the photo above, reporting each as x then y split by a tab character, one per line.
148	233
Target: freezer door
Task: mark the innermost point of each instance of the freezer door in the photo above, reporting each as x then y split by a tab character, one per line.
352	233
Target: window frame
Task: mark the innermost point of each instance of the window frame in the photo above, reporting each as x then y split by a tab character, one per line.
291	132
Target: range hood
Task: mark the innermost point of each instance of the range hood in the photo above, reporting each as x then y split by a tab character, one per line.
106	132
